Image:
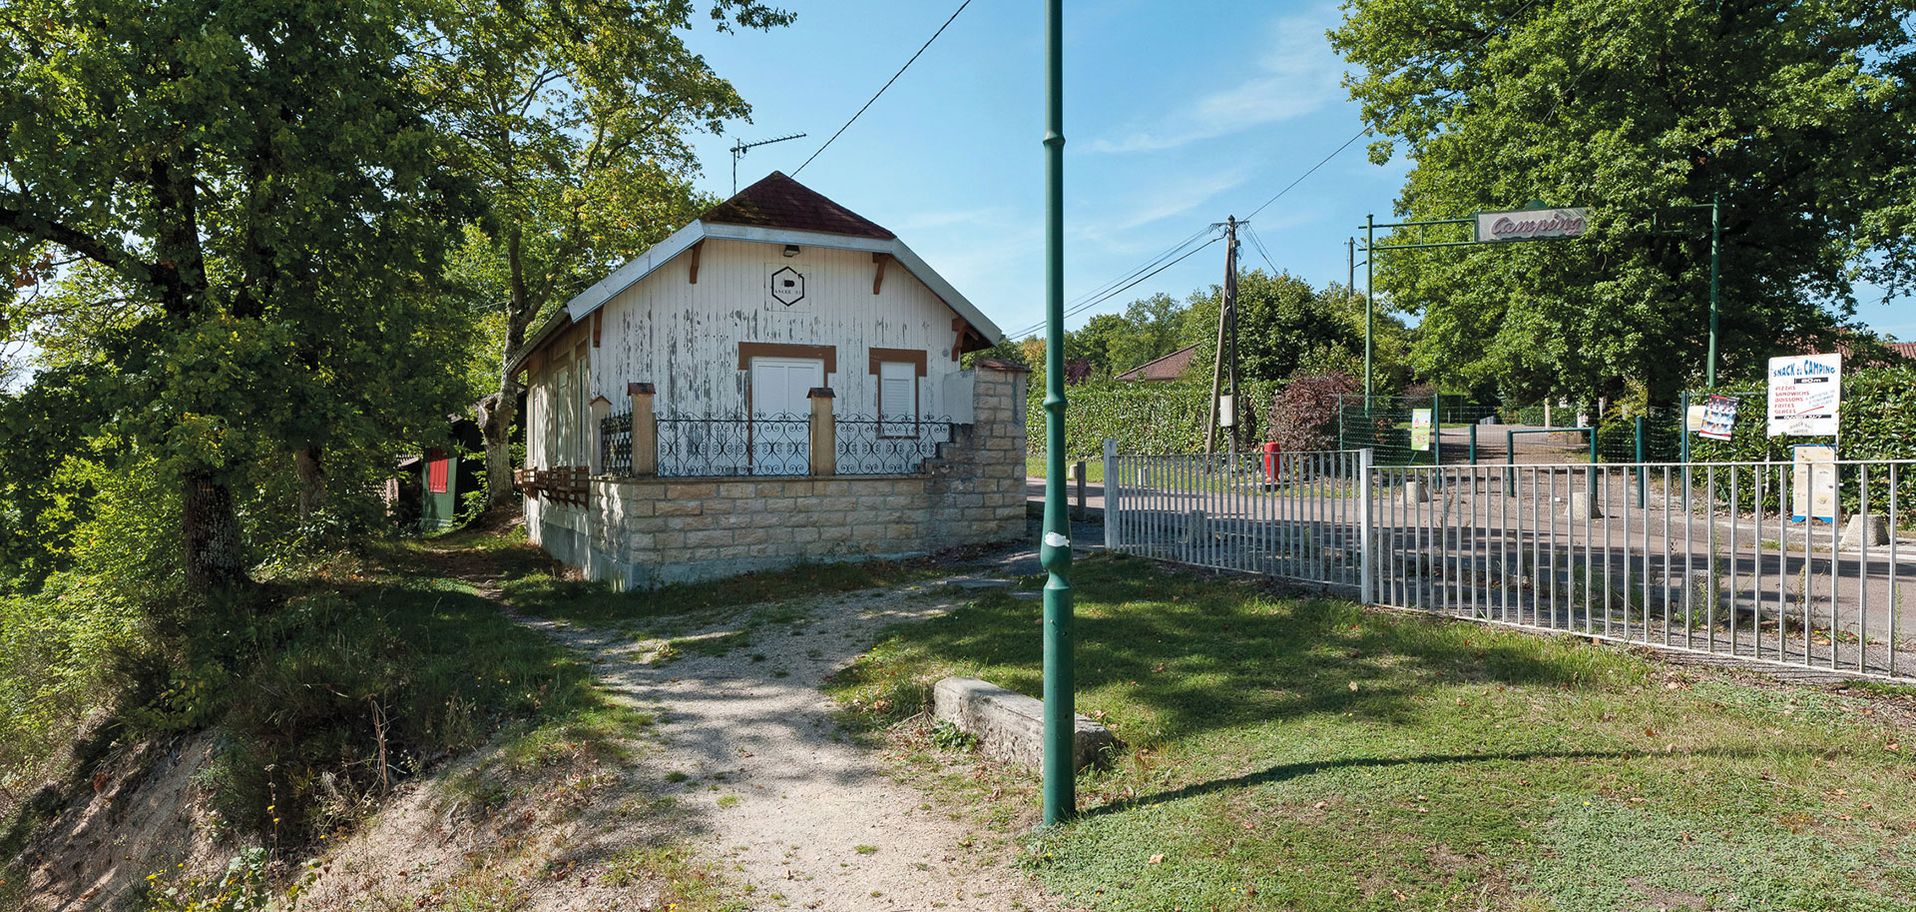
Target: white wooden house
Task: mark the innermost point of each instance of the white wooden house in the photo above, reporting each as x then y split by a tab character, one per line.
721	341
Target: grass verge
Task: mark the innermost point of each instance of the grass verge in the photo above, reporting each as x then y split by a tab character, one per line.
1301	753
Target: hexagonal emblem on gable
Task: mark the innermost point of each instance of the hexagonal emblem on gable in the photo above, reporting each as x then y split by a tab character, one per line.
788	286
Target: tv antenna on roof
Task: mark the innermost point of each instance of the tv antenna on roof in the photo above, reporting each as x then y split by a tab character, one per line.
741	147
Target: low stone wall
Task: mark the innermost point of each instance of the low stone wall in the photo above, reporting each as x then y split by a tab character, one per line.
651	531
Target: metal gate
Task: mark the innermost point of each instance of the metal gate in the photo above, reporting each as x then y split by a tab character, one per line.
1801	565
1300	516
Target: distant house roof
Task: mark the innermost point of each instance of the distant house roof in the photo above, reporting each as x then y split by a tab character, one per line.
1169	367
777	201
1906	349
775	210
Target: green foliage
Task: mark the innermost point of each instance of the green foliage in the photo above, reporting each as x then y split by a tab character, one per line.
1282	323
245	886
1145	417
1799	115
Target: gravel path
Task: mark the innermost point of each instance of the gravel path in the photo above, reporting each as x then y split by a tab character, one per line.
808	818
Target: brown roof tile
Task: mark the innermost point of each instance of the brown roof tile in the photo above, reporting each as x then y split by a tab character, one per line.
1169	367
777	201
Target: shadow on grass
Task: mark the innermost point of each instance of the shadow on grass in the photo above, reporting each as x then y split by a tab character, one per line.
1286	771
1200	653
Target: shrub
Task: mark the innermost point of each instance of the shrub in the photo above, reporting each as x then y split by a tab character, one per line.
1158	417
1304	416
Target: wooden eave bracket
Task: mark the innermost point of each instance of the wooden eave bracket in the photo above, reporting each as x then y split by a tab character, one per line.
878	273
697	248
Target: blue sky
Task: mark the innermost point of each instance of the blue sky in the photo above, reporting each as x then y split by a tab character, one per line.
1176	114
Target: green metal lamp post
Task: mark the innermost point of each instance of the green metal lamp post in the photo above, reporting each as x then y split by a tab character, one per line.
1716	235
1060	771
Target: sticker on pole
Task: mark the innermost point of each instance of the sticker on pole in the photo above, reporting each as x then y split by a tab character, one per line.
1805	392
1420	429
1719	418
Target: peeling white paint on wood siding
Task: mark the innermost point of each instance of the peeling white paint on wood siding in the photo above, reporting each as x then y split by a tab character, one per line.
685	337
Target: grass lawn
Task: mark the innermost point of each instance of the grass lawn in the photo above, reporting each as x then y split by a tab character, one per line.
1303	753
1093	468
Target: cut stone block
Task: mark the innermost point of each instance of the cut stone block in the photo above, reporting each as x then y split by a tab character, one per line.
1414	492
1010	726
1865	529
1581	507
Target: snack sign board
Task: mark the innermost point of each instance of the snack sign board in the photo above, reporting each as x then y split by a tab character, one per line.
1805	392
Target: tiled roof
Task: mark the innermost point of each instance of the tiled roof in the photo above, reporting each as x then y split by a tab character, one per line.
1906	349
1169	367
777	201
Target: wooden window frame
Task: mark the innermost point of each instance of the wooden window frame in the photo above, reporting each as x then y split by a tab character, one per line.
918	360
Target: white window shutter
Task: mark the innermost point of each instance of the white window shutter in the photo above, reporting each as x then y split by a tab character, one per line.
897	397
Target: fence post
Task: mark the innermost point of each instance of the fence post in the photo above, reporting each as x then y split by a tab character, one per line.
1643	456
1077	477
1110	494
645	430
824	432
1683	429
1367	582
1473	444
600	410
1510	459
1591	476
1437	433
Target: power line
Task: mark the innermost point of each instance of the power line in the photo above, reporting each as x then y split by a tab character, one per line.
1085	300
887	85
1106	296
1367	130
1258	242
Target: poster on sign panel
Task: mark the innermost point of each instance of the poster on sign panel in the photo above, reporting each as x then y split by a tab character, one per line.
1420	429
1719	418
1813	483
1805	392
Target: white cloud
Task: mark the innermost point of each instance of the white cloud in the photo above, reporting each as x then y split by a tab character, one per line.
1299	75
1176	197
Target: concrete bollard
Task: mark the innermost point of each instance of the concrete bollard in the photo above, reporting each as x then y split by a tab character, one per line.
1870	529
1010	726
1414	492
1582	507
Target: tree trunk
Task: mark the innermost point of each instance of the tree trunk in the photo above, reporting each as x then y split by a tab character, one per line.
312	481
496	422
213	548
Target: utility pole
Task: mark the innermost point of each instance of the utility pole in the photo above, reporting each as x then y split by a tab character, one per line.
1230	310
1370	302
1060	718
1226	334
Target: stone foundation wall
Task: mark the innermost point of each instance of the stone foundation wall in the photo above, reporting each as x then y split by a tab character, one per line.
652	531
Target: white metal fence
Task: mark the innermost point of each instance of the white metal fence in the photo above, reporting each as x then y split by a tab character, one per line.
1712	558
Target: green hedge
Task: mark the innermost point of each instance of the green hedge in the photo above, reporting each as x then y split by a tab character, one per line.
1161	417
1878	421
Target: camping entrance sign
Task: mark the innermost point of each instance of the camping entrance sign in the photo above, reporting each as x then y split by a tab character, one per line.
1532	224
1805	393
